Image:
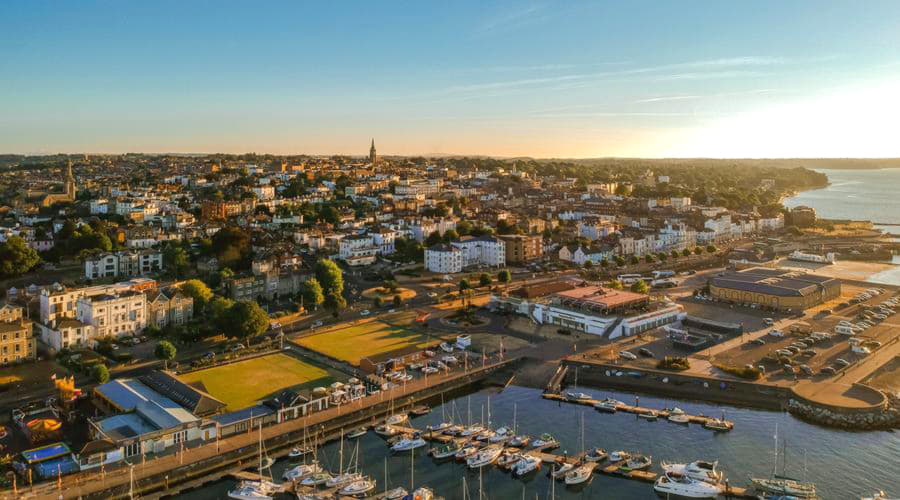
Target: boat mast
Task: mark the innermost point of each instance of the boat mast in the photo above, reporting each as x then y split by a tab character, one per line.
515	407
775	463
341	454
582	432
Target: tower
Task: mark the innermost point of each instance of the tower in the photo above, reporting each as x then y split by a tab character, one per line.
373	157
70	182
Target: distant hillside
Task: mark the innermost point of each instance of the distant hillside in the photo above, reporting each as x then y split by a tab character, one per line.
823	163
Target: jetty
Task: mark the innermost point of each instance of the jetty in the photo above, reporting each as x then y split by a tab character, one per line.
703	420
616	469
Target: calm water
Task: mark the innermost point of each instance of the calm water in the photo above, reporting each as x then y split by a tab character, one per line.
856	194
845	465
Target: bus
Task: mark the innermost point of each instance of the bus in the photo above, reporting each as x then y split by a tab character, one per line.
663	274
629	279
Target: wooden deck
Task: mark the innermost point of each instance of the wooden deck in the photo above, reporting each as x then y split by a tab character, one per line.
639	410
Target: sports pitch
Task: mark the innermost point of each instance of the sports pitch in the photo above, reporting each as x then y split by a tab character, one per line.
368	340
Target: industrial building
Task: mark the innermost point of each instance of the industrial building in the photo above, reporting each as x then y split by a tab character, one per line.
780	289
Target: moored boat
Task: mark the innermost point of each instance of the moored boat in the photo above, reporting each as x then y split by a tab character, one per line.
356	488
789	487
618	456
471	430
466	452
396	419
608	405
343	479
254	490
358	432
718	425
580	474
317	479
561	471
484	457
298	452
386	430
578	396
396	493
508	460
445	451
526	465
420	410
301	471
519	441
501	434
679	418
637	462
595	455
671	484
649	416
545	441
700	470
408	444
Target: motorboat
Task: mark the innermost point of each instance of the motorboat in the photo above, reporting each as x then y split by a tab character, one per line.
471	430
466	452
679	418
360	487
579	474
453	430
789	487
718	425
359	432
423	493
561	471
671	484
420	410
254	490
396	419
396	493
484	457
618	456
595	455
649	416
386	430
545	441
501	434
446	347
445	451
637	462
578	396
676	411
519	441
485	435
297	452
700	470
343	479
508	460
316	479
408	444
301	471
526	465
608	405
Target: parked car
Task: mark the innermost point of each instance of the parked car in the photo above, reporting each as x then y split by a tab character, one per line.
768	321
628	355
643	351
364	312
806	370
758	341
842	362
828	370
776	333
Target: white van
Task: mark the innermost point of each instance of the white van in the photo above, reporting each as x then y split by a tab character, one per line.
843	330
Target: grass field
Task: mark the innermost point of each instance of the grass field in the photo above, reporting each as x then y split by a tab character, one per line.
242	384
369	339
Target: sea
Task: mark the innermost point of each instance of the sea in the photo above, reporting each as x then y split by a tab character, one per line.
843	464
872	195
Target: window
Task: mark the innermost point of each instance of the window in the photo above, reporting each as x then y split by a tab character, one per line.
132	449
179	437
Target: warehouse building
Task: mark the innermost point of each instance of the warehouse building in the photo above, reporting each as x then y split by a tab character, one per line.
780	289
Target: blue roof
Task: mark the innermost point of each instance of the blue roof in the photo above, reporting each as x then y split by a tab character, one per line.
58	466
127	393
237	416
126	426
152	410
46	452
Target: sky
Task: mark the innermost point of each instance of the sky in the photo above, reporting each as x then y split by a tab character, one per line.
678	78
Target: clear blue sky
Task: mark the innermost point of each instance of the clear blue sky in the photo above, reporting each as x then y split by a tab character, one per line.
566	79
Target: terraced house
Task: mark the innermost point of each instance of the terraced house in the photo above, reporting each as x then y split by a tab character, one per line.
16	338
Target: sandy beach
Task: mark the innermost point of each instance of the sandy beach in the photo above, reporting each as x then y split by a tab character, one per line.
877	272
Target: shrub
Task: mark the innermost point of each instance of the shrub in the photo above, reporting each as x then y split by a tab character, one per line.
673	363
746	372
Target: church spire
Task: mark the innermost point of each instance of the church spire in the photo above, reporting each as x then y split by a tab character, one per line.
373	156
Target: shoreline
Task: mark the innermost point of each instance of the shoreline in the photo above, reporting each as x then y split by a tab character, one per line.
855	270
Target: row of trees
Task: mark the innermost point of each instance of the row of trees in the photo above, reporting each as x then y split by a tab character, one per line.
242	319
620	261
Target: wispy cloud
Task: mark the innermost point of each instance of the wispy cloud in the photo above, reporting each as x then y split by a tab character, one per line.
669	98
524	15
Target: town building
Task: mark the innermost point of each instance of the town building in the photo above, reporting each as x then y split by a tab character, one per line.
17	342
523	248
114	315
780	289
169	307
123	264
443	258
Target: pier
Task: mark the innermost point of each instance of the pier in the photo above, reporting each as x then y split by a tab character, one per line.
640	410
615	469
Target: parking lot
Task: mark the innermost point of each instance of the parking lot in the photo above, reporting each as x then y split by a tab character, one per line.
760	348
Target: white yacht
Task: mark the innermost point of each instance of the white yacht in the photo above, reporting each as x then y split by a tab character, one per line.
561	471
445	450
679	418
441	427
508	460
501	434
396	419
527	465
618	456
254	490
608	405
638	462
484	457
358	432
595	455
785	487
386	430
545	441
408	444
580	474
700	470
360	487
578	396
685	487
316	479
519	441
343	479
466	452
471	430
396	493
301	471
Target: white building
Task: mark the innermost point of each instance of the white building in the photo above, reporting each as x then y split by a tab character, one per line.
482	250
443	258
264	192
65	333
596	230
123	264
116	315
384	239
358	250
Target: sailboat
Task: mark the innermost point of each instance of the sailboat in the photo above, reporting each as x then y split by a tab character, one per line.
346	477
583	472
780	484
257	490
396	493
574	395
304	470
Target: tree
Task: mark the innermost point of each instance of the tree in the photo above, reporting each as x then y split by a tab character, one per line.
640	286
312	293
378	302
711	249
614	284
451	235
698	250
662	256
198	291
464	285
604	263
165	351
391	285
504	276
100	373
675	254
484	279
634	260
649	258
247	320
335	303
686	252
433	239
175	260
16	257
231	246
329	276
398	300
620	261
588	264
